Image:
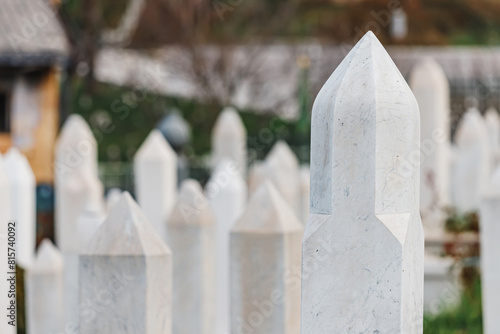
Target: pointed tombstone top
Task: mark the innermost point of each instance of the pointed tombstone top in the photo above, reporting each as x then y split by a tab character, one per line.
229	125
48	258
366	125
471	129
427	73
126	231
492	119
267	213
282	156
155	147
192	207
18	168
75	130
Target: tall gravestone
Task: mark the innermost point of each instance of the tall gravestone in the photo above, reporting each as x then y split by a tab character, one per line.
229	140
471	166
432	91
490	248
126	276
227	193
45	291
23	208
266	247
5	217
155	172
191	236
363	248
492	120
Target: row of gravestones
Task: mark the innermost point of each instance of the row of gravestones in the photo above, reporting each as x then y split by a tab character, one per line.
362	260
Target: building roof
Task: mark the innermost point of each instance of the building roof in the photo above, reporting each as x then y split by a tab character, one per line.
30	34
273	84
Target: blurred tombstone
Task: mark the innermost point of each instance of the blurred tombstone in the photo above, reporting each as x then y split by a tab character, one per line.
305	190
490	248
229	140
76	154
5	217
363	249
492	120
399	24
266	247
281	167
112	197
441	284
176	130
155	173
191	237
23	207
430	86
471	165
80	191
130	268
227	193
45	291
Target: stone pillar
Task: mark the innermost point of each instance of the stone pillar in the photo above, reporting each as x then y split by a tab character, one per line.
492	120
126	276
490	248
76	159
363	252
155	173
23	207
471	166
5	216
266	247
191	236
81	193
226	191
432	91
229	140
45	291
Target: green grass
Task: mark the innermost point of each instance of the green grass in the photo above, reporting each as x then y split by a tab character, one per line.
466	318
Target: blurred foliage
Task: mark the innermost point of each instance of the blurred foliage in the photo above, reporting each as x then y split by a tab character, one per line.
465	318
122	117
457	222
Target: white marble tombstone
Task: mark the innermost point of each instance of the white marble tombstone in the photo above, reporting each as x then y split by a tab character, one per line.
227	193
305	191
45	291
432	91
229	140
23	204
471	165
126	276
75	164
492	120
191	237
82	199
5	216
490	248
282	167
76	148
363	252
155	173
266	247
112	197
